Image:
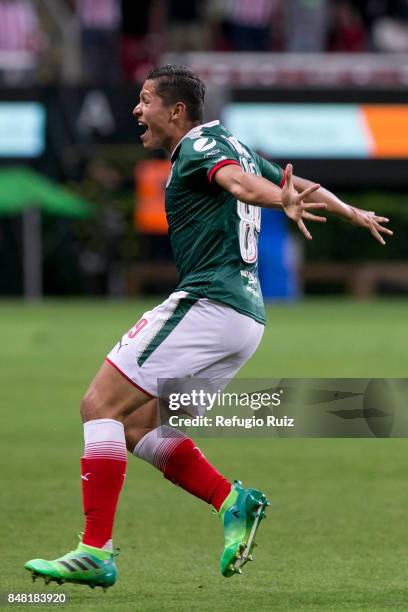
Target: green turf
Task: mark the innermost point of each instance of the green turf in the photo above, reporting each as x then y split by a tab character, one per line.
335	538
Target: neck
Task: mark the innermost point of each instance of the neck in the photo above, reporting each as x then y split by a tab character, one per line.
179	133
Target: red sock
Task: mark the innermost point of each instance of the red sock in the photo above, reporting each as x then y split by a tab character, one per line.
187	467
103	470
100	494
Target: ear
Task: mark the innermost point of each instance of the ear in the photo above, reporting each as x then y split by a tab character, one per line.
179	110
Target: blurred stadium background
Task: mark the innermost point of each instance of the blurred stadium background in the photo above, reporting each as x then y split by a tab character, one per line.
321	83
317	82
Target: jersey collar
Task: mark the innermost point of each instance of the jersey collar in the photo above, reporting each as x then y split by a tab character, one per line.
193	133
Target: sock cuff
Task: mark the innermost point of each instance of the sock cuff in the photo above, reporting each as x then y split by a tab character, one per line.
101	430
104	439
157	445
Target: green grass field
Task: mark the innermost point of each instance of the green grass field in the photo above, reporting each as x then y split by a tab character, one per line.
336	536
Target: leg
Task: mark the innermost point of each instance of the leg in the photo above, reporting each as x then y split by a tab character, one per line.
111	396
172	452
181	462
108	400
175	455
204	342
140	423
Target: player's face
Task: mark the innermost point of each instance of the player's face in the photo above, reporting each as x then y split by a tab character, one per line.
154	117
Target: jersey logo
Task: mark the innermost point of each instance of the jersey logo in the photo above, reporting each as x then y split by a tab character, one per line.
213	152
202	144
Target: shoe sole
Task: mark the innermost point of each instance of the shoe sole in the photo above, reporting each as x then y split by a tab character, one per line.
47	579
244	552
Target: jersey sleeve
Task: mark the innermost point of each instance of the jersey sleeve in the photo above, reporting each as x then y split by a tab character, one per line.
200	158
271	171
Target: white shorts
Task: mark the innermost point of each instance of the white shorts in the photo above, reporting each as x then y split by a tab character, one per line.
185	337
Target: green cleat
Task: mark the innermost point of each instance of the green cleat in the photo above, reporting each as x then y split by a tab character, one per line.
241	514
85	565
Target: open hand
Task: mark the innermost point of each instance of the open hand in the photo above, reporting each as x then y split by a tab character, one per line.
369	220
294	206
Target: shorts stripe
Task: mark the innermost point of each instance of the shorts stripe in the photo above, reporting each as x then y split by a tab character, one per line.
180	311
132	382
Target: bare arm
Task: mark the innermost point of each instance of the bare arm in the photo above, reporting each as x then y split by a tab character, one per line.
255	190
355	216
249	188
333	203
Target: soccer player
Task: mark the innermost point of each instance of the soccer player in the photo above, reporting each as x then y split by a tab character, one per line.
208	328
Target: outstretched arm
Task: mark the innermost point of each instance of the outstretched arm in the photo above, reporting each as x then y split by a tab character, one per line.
360	218
258	191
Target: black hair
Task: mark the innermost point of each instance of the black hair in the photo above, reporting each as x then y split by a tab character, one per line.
178	84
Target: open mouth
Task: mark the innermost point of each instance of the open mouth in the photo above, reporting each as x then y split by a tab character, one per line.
144	128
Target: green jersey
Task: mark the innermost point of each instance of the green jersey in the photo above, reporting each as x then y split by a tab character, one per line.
214	237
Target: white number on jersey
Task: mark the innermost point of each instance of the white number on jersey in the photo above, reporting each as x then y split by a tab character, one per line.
250	224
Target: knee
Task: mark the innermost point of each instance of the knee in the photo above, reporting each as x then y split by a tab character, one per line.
95	405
